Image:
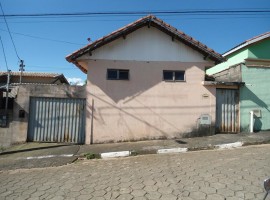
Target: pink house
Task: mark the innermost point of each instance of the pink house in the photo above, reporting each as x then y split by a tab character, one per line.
145	81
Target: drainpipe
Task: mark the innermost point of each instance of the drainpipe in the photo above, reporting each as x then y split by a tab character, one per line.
251	121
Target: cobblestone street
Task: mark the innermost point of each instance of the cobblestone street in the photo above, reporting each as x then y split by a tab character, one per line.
219	174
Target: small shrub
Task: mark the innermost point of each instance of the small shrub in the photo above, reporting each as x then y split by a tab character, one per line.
91	156
134	153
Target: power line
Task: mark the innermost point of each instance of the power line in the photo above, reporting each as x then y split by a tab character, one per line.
4	53
200	12
126	20
42	38
9	31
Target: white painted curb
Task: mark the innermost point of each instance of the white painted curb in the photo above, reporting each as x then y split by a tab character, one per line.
49	156
173	150
115	154
229	145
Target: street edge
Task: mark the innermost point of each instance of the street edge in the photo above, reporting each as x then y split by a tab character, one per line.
118	154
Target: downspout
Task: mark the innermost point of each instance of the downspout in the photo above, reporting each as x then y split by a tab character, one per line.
251	121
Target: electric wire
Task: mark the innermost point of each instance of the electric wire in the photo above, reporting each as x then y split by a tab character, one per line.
9	31
4	53
201	12
42	38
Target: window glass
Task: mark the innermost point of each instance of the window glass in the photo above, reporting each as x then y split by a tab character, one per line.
168	75
112	74
123	75
117	74
179	76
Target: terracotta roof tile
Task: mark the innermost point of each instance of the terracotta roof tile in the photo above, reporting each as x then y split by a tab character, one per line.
32	74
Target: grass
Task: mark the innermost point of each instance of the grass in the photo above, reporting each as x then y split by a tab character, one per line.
91	155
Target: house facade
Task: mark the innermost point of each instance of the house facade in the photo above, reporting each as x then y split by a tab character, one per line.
144	81
249	62
43	108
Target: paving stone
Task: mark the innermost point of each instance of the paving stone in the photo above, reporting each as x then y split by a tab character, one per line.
153	195
215	197
139	198
150	188
197	195
149	182
165	190
84	197
225	192
125	197
98	193
125	190
138	193
137	186
209	175
208	190
168	197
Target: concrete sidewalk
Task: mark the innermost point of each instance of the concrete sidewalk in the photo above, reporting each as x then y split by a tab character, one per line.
192	144
30	155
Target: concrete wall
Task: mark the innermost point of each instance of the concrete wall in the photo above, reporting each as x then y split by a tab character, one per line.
146	107
233	59
232	74
17	130
255	95
260	50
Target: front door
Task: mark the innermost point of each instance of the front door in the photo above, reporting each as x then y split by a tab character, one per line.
227	111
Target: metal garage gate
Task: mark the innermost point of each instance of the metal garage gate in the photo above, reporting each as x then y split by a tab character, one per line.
56	120
227	111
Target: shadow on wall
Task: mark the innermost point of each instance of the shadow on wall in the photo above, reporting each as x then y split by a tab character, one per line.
194	131
257	124
249	95
142	77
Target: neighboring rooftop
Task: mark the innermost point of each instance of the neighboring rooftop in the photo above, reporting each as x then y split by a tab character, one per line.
247	43
149	20
34	77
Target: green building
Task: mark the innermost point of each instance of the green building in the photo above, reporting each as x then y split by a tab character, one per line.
249	63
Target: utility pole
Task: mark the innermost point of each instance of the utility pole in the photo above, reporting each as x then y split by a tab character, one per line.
7	87
21	69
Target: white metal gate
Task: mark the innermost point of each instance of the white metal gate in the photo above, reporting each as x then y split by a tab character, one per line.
56	120
227	111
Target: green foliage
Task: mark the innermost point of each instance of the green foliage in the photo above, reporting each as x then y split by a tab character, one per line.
91	155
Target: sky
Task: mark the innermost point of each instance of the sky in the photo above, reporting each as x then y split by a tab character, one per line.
44	42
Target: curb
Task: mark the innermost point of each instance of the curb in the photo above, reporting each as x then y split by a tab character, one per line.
173	150
229	145
119	154
115	154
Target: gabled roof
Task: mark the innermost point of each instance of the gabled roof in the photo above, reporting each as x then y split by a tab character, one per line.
53	76
149	20
248	42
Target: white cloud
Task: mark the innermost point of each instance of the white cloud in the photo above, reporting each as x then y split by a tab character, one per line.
75	81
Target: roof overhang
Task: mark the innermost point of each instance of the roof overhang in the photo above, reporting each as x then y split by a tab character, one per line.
150	21
247	43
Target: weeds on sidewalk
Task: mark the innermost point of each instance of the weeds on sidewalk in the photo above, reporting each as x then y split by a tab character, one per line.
91	155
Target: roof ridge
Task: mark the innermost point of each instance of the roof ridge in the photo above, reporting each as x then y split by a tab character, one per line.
152	19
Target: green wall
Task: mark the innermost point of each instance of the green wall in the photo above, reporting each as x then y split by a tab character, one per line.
260	50
231	60
255	95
